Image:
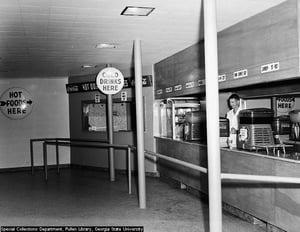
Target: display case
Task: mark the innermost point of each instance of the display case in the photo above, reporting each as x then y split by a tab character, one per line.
172	115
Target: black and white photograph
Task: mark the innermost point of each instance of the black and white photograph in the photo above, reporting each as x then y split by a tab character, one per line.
150	115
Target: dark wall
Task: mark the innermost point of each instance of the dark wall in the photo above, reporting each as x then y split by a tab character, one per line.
99	157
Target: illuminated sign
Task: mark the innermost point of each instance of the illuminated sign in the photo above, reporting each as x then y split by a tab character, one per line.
178	87
240	73
269	67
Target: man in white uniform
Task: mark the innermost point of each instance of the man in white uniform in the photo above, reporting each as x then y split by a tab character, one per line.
232	115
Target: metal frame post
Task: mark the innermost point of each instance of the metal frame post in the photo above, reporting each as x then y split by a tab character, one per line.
57	156
110	134
31	157
45	159
139	123
212	115
129	168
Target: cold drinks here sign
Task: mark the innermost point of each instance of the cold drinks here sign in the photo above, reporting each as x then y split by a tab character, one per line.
16	103
110	80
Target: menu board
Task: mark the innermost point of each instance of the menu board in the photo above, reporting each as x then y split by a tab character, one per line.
94	116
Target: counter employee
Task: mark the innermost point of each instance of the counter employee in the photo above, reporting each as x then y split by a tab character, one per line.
232	115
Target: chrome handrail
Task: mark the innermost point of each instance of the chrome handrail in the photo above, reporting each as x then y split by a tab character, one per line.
82	143
55	139
177	161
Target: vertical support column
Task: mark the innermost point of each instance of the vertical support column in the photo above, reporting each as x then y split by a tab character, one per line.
212	115
139	123
110	133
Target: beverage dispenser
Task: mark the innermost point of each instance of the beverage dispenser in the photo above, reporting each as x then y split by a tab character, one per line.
281	128
295	125
195	126
173	113
255	128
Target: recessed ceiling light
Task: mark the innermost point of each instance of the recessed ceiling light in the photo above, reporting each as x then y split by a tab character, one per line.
137	11
88	66
106	45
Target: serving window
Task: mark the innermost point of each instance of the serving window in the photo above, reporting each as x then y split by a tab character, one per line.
94	116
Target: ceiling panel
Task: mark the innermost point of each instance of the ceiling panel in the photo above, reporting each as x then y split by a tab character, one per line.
49	38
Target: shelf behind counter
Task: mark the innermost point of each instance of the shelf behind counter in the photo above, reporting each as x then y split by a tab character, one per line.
277	204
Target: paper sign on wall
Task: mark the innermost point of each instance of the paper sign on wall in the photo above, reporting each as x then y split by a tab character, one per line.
16	103
123	96
285	104
97	98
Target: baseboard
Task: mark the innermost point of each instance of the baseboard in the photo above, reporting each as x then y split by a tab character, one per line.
28	169
119	171
76	166
250	218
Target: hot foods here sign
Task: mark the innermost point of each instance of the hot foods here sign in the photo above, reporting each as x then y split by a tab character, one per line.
16	103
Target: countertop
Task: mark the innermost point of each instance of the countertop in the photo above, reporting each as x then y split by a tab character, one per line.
290	156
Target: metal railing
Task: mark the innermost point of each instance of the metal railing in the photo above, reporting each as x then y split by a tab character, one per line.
76	143
32	141
149	154
100	144
228	176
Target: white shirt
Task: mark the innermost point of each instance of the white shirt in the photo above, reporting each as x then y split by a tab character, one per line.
233	123
233	118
